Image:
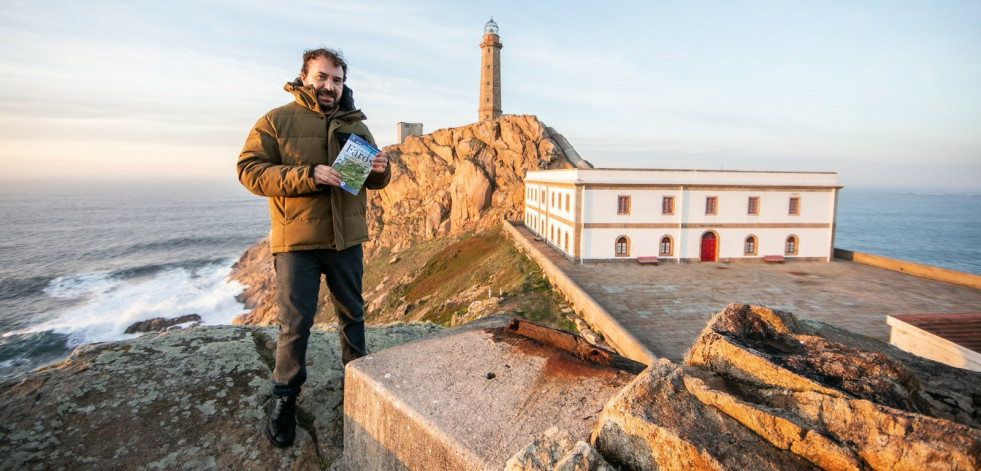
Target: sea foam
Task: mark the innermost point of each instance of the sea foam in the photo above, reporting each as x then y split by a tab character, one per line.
109	304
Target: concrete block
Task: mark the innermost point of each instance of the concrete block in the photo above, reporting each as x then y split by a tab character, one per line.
469	398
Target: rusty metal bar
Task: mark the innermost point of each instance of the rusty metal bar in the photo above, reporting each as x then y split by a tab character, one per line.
573	344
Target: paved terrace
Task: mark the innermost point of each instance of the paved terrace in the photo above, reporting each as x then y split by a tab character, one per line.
666	306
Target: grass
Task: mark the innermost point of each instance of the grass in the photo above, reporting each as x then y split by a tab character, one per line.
441	277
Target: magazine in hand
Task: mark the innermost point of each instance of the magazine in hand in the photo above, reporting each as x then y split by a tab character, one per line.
354	163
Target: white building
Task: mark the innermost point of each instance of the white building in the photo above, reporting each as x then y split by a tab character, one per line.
690	215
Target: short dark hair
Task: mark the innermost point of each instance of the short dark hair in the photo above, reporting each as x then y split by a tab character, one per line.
335	56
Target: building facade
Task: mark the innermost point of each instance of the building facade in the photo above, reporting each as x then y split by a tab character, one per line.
490	74
683	215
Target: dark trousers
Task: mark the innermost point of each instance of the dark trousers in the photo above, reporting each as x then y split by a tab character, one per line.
298	285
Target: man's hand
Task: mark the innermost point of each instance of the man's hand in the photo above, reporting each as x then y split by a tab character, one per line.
326	175
379	163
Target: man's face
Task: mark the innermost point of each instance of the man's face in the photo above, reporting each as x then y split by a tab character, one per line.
327	79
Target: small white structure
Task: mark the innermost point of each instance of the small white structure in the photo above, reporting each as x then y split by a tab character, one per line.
683	215
404	130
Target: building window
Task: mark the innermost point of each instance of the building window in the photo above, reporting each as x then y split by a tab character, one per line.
665	246
566	203
750	248
794	205
667	205
711	204
566	241
623	246
623	204
754	205
791	247
551	233
553	200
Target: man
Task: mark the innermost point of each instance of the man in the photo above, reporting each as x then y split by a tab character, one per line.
317	228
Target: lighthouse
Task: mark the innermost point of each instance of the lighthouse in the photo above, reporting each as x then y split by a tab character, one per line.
490	74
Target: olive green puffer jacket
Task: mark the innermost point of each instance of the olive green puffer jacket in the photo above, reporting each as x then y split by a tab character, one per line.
277	162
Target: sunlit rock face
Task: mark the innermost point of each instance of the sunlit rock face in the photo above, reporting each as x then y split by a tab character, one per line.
459	179
761	389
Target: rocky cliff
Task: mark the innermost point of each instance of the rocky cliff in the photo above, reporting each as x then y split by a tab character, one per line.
444	185
460	179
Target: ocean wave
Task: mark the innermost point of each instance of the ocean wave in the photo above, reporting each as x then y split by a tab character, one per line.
77	286
110	302
14	288
179	242
83	285
155	268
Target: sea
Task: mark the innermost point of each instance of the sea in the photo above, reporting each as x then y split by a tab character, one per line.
80	262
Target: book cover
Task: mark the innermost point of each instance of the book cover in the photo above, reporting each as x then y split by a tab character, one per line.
354	163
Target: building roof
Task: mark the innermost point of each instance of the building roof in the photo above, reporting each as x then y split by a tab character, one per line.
617	176
962	329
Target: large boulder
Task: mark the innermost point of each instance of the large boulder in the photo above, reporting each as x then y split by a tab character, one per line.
190	399
762	389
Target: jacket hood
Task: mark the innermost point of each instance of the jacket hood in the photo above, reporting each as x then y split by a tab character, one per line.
307	97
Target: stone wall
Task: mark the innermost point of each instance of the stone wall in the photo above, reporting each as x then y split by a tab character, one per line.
591	311
916	269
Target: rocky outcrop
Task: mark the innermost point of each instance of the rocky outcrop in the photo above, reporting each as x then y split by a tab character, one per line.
443	184
557	450
186	399
161	323
762	389
254	269
459	179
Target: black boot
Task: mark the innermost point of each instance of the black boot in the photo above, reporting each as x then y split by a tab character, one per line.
281	428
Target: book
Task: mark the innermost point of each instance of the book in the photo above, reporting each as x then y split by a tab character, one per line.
354	163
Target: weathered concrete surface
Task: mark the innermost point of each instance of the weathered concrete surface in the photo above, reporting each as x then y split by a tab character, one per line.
764	390
468	399
190	399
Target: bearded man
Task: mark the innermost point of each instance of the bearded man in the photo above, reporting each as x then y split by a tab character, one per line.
317	228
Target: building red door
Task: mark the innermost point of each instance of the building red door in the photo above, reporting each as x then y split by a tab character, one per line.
709	244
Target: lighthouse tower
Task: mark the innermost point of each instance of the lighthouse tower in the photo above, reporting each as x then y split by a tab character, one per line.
490	74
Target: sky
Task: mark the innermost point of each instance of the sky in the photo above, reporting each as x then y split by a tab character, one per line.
885	93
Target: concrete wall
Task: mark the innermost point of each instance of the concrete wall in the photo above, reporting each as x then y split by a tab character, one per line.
925	271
